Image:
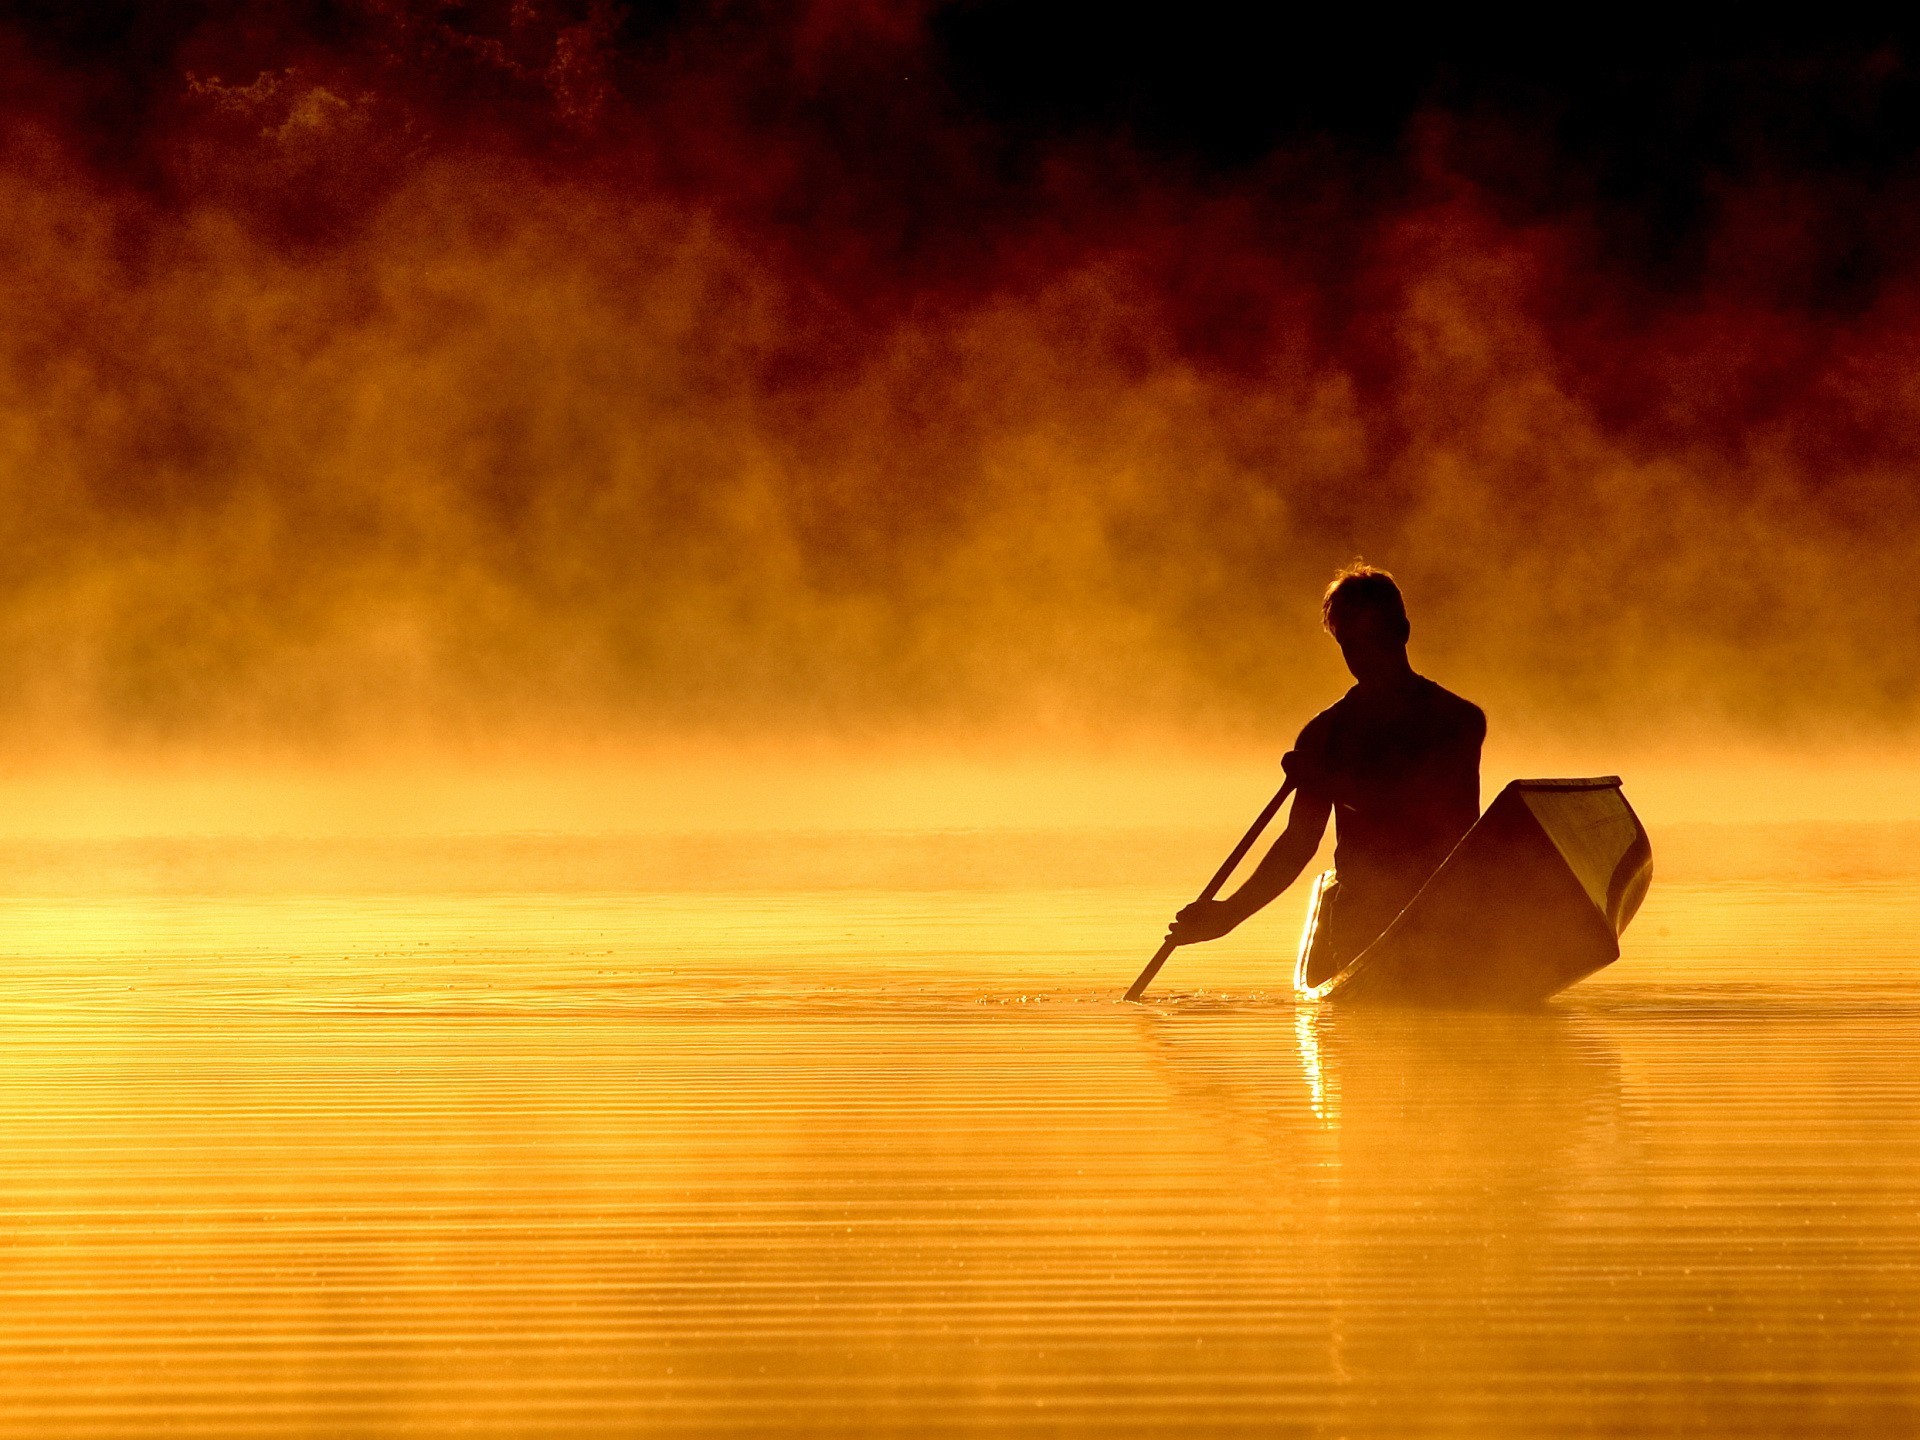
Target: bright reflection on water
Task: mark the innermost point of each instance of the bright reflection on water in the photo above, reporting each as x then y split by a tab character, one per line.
890	1158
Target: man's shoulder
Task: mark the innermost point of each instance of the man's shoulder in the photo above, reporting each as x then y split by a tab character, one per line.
1439	707
1456	710
1328	720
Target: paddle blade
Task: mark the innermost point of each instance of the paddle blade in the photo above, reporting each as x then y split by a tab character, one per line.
1139	987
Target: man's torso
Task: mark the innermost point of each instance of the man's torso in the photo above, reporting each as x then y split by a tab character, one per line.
1401	767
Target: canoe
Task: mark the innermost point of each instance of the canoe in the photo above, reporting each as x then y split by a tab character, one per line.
1533	898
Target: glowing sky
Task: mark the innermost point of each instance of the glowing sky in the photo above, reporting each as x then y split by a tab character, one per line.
394	370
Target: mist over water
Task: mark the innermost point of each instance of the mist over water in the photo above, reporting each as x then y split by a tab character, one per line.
751	383
620	626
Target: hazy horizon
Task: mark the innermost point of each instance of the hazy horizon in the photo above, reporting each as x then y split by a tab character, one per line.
663	403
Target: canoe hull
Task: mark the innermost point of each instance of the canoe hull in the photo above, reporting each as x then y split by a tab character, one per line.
1532	899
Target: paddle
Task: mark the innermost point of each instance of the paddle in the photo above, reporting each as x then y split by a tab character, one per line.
1139	987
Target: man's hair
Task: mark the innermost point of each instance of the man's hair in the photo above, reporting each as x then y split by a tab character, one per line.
1359	587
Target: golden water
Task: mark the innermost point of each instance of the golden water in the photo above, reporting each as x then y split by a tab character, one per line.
810	1135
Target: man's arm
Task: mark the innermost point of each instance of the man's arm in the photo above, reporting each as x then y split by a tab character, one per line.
1210	919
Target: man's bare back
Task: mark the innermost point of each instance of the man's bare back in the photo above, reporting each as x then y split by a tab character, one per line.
1396	761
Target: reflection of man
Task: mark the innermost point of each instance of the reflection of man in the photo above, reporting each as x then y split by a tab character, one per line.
1396	760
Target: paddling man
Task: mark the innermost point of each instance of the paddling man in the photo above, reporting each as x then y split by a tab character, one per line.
1396	760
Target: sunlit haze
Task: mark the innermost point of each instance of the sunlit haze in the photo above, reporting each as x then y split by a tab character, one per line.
629	633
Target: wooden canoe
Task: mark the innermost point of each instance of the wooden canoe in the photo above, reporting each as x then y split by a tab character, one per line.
1532	899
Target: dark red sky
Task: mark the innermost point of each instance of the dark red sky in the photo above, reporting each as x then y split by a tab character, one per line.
591	364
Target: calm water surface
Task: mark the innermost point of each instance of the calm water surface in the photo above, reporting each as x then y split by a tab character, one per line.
862	1143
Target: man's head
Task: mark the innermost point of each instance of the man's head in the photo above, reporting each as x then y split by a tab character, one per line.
1364	613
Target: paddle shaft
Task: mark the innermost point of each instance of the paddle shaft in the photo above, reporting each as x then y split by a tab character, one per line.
1220	876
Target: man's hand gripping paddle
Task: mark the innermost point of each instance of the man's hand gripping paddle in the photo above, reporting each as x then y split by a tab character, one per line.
1220	876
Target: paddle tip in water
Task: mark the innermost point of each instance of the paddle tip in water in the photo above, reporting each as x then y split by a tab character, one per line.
1139	986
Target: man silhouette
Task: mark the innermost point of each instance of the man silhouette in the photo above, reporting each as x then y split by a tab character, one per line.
1396	761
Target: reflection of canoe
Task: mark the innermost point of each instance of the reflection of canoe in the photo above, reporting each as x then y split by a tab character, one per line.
1533	898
